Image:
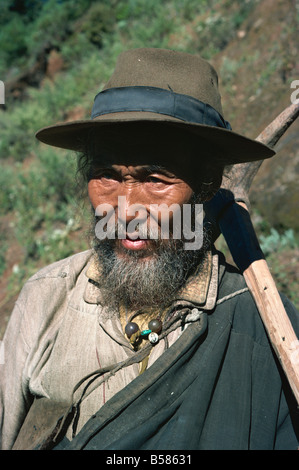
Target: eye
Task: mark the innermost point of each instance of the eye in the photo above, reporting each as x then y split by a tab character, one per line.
154	179
105	175
108	175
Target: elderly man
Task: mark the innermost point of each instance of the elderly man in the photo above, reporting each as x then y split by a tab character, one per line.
149	340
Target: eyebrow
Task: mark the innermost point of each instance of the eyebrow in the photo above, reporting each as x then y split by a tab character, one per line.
145	169
149	169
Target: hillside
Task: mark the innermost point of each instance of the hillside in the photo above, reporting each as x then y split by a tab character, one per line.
60	56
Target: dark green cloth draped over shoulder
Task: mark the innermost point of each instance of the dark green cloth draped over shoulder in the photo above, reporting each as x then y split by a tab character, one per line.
218	387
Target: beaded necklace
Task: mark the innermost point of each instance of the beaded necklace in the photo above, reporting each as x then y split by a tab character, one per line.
135	335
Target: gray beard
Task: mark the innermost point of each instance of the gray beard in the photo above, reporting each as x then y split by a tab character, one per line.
137	282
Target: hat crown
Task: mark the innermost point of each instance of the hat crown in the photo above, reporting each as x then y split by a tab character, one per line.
174	71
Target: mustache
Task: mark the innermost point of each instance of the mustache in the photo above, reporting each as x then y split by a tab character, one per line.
139	229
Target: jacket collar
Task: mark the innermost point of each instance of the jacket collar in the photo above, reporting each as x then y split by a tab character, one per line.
200	290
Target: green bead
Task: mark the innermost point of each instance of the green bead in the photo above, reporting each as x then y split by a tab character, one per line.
145	332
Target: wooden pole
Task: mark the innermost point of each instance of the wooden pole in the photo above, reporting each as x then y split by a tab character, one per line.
279	328
232	203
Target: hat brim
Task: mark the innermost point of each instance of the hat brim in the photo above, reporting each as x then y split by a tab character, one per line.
233	148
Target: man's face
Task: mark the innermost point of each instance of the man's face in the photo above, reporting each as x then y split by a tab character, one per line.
142	271
144	186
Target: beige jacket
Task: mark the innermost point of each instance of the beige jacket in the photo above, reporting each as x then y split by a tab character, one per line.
59	332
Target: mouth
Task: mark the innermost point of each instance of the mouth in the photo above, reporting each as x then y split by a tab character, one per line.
135	245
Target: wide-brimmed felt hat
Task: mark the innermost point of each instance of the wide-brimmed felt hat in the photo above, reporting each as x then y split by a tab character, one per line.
160	89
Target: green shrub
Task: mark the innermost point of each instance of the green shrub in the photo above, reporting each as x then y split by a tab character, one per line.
275	241
12	49
8	188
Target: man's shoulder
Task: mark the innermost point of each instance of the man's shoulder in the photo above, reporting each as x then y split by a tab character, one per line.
45	296
230	277
70	267
50	287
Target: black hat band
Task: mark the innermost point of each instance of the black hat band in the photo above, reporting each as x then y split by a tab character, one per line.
157	100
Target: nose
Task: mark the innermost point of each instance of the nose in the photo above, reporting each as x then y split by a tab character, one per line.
130	206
